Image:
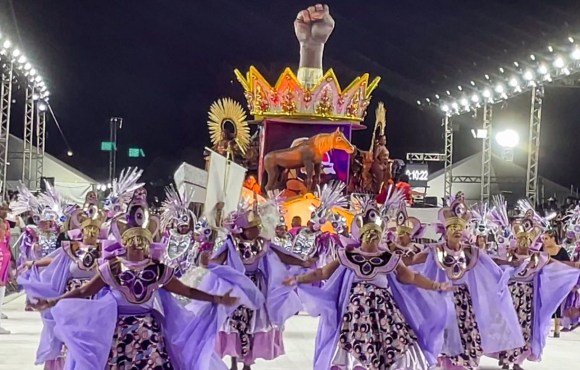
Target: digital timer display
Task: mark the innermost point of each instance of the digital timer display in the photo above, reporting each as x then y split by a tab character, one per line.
418	174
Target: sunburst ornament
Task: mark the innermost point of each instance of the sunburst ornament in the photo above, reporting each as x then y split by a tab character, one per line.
228	110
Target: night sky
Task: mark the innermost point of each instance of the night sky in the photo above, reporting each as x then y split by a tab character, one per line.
160	64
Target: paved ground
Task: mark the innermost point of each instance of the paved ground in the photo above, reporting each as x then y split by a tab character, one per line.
17	350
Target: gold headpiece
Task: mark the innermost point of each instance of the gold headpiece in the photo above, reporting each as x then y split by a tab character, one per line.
455	214
290	98
224	111
136	232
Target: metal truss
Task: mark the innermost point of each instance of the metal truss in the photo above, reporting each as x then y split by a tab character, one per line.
28	134
426	157
40	146
486	154
448	155
534	144
5	107
492	179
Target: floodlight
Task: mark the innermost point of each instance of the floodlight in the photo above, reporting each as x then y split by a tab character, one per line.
459	88
464	102
516	64
418	102
42	106
22	59
445	108
475	98
499	88
507	138
543	69
16	53
69	153
455	106
27	66
472	83
528	75
487	77
501	70
7	44
437	96
576	54
550	49
486	93
513	82
480	133
559	62
532	57
571	39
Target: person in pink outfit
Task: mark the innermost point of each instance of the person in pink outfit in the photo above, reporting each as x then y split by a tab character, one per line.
5	260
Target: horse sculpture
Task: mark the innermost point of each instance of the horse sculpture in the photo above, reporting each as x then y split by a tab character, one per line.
308	154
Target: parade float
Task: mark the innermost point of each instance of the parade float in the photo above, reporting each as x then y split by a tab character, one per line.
302	127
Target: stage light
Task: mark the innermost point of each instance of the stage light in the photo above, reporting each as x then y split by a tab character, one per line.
486	93
455	106
480	133
22	59
38	79
27	66
507	138
576	54
532	57
35	97
475	98
7	44
566	71
550	49
418	102
428	100
472	83
547	77
464	102
499	89
448	92
528	75
543	69
559	62
459	88
571	39
513	82
487	77
69	153
445	108
501	70
33	72
42	106
516	64
437	96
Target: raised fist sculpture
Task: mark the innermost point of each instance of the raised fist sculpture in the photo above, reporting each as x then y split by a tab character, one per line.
314	25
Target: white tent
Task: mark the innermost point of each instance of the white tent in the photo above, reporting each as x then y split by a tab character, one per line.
514	174
69	182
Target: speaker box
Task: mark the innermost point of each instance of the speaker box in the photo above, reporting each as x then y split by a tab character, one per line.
431	201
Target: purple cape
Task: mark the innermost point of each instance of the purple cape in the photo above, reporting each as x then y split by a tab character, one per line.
492	305
425	311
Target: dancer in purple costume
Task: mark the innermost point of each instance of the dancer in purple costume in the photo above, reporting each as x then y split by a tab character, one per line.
141	325
70	267
571	306
501	226
375	312
485	320
537	286
252	333
406	230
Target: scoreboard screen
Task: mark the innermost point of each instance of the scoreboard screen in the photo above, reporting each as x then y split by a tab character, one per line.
418	174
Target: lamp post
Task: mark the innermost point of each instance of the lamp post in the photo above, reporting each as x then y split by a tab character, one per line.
114	122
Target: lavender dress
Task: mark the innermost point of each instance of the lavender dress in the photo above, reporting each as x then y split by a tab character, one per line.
571	306
485	320
255	331
369	320
72	266
537	288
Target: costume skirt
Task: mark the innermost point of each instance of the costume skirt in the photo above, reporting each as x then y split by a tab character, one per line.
249	334
523	297
5	256
468	331
374	333
138	344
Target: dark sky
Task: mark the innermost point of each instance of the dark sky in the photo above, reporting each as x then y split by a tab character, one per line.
160	63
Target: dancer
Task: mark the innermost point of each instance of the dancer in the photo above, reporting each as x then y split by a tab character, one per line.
249	334
369	318
537	287
571	306
485	320
501	226
5	261
406	230
480	228
122	190
141	326
179	220
70	267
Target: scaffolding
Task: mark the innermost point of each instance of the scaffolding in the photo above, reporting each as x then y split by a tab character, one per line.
5	106
40	142
28	148
534	144
486	154
448	155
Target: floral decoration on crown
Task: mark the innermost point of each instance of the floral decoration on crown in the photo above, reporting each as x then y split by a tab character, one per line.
325	100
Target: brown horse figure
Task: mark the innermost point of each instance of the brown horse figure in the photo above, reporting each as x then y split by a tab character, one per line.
307	154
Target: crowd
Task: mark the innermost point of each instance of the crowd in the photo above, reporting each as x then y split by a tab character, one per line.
119	287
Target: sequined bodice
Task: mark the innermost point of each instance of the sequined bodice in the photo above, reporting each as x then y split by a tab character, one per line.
84	256
179	255
47	242
250	251
366	266
304	242
408	251
283	242
137	281
532	264
456	263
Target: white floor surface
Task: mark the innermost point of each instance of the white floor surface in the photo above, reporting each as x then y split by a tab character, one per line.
17	350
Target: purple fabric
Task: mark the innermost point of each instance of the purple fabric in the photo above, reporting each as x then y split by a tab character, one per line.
76	320
492	304
551	286
425	311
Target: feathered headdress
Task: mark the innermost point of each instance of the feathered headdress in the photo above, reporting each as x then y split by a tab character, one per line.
394	200
176	208
572	223
528	211
54	206
402	223
368	216
26	202
122	190
330	195
480	213
276	197
498	214
455	214
530	225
